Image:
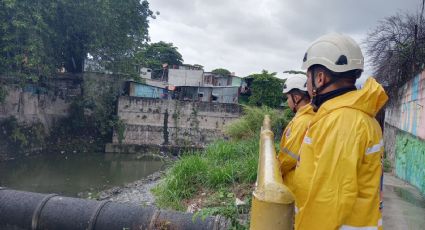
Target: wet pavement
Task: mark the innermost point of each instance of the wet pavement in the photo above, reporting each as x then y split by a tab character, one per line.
404	207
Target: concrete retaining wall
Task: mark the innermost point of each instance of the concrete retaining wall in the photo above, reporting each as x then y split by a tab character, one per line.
404	132
407	113
171	122
31	103
410	160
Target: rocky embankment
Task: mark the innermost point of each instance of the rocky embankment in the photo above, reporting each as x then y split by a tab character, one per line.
136	192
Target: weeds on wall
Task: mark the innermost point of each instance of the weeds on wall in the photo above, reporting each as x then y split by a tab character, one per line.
21	137
387	165
176	117
92	118
90	125
119	126
3	93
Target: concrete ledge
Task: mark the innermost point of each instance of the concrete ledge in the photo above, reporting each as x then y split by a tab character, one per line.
148	149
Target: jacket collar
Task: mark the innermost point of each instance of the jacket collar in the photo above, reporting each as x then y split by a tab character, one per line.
370	99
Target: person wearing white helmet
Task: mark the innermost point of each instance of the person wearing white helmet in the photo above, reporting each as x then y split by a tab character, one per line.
295	89
298	101
339	172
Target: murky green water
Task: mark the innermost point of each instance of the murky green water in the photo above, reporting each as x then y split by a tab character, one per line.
75	173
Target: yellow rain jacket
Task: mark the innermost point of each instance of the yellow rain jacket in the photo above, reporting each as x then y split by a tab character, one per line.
339	173
290	143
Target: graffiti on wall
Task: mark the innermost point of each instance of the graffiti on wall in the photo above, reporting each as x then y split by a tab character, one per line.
410	160
412	110
409	114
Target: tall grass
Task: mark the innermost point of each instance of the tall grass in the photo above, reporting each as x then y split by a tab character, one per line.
220	165
249	125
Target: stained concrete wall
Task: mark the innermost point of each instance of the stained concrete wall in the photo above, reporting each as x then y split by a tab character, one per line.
50	101
172	122
390	133
31	103
404	132
408	112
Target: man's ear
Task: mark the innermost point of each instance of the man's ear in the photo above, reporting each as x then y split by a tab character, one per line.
320	79
297	97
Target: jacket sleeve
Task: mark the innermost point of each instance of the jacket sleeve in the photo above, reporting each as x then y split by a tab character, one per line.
334	184
289	147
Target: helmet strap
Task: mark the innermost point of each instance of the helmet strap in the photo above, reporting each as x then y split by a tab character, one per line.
317	90
314	93
295	103
327	84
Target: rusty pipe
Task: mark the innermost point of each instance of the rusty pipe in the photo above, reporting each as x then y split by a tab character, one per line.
36	211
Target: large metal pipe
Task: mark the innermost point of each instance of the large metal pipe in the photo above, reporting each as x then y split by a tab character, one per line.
35	211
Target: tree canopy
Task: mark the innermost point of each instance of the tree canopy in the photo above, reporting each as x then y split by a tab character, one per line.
266	89
37	37
155	54
396	47
221	71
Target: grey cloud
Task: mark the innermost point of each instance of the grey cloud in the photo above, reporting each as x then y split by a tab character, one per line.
247	36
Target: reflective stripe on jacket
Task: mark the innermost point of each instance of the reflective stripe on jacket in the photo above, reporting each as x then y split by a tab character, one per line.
337	180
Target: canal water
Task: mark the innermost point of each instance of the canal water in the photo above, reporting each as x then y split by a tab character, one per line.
76	174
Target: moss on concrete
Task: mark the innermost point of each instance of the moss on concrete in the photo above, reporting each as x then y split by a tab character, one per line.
410	160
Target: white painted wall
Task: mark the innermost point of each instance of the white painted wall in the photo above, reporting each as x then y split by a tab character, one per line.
181	77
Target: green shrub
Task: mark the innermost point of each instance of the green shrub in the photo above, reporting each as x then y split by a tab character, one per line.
249	125
3	93
387	165
220	165
21	137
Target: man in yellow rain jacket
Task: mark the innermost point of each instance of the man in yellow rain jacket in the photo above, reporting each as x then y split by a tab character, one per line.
339	174
298	100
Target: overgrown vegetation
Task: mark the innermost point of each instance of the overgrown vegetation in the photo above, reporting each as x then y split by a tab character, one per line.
221	169
21	138
212	180
387	165
92	119
249	125
3	93
38	37
266	90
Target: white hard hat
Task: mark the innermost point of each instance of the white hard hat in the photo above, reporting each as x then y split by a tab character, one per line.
295	81
337	52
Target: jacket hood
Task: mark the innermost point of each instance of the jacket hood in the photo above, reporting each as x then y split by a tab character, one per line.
369	99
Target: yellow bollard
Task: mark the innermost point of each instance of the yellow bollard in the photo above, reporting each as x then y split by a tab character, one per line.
272	202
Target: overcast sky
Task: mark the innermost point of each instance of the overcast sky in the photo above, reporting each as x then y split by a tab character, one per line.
246	36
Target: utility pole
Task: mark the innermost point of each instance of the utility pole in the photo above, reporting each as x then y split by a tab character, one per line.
415	38
422	12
